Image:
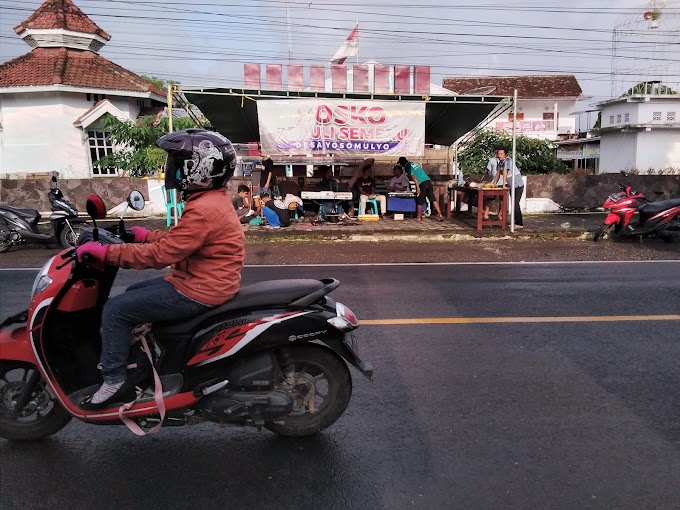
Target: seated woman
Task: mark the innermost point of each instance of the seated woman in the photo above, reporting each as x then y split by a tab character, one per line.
400	182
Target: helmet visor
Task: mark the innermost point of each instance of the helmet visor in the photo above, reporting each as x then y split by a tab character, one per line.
171	171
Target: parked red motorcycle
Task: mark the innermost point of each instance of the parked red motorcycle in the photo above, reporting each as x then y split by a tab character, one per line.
275	355
658	219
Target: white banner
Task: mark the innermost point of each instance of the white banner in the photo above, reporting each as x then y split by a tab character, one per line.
339	126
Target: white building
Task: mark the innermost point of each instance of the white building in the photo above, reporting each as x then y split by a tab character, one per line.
544	103
52	98
640	132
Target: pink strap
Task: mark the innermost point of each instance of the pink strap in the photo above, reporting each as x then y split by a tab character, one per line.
158	397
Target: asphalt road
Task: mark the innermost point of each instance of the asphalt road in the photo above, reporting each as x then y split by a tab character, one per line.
502	415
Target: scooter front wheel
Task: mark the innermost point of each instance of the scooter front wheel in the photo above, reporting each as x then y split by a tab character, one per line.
322	388
42	415
5	243
602	231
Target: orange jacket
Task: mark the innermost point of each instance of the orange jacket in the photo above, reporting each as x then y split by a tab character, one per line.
206	250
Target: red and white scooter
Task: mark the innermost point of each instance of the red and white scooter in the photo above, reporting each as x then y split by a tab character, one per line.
276	355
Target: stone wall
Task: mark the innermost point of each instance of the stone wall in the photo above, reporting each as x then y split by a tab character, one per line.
568	191
32	193
591	191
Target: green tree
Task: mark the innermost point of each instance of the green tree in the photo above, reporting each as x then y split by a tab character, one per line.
159	82
137	154
533	156
648	88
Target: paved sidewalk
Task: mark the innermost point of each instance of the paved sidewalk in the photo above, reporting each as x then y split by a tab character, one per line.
567	225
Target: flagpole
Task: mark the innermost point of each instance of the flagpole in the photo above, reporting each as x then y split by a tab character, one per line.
357	26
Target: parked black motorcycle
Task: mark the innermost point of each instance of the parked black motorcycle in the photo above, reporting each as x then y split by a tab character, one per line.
19	226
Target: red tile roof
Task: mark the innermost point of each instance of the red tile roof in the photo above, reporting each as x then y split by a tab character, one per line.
65	66
61	14
532	87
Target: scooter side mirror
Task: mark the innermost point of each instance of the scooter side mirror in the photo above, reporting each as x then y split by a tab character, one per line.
95	207
136	200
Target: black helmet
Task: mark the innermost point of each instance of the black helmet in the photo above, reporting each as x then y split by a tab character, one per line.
198	160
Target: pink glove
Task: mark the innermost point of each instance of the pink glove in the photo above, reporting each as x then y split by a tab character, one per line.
92	254
140	233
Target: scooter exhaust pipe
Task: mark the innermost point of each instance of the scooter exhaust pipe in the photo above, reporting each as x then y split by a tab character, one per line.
32	235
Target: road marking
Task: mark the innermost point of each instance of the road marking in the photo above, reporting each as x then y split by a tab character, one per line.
521	320
521	263
400	264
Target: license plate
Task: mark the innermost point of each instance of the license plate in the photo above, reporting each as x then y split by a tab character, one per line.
614	198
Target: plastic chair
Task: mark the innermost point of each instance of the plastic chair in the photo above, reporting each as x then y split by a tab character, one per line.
170	200
293	210
371	201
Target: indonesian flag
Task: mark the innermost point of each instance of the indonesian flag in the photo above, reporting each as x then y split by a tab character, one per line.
350	47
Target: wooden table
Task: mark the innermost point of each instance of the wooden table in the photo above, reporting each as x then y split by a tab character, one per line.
478	195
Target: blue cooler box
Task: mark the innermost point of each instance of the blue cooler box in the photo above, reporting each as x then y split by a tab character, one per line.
407	205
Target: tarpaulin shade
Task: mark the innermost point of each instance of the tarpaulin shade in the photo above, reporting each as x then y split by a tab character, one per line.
233	112
402	79
295	77
251	73
274	76
339	78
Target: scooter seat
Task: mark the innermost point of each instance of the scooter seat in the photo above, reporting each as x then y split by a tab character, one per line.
270	293
657	207
29	214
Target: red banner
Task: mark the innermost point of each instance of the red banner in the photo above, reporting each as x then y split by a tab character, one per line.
295	78
382	79
421	79
251	73
317	78
360	78
274	73
402	79
339	78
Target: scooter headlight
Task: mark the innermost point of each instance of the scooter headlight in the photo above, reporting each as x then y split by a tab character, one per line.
42	281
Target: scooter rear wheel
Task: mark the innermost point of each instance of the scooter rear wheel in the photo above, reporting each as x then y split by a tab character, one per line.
5	243
41	417
322	390
602	231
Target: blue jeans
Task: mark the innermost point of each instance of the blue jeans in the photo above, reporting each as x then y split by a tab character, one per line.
271	217
149	301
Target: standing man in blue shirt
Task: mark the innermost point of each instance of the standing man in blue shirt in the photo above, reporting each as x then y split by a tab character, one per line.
512	178
424	188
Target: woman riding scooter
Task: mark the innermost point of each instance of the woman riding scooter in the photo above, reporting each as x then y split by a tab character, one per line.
206	251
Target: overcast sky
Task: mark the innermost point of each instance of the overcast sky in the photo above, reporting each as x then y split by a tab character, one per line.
206	42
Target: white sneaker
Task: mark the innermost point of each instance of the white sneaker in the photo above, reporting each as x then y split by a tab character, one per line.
105	392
